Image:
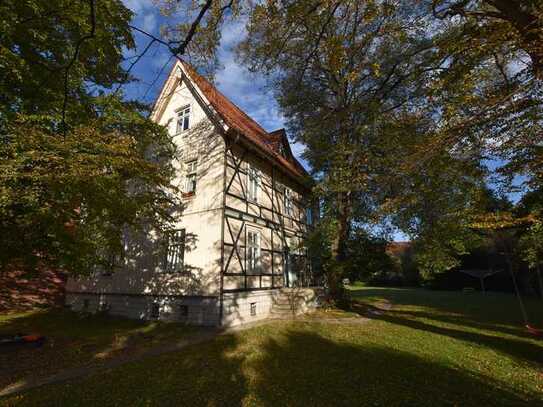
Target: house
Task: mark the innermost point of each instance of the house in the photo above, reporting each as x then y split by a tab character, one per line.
238	244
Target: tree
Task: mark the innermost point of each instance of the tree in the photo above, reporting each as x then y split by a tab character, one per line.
532	250
336	67
519	23
79	164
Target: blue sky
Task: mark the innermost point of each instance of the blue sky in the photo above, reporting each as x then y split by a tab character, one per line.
245	89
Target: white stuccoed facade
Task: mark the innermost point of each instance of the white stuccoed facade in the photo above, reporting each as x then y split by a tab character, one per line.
217	285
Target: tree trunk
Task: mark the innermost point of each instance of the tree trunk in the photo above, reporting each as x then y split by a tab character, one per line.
339	244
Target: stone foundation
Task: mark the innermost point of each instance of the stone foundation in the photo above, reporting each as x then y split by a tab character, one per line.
238	308
191	310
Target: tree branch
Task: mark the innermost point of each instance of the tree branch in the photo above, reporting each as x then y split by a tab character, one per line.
90	35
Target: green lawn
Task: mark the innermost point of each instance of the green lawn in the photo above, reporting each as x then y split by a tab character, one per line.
76	340
431	348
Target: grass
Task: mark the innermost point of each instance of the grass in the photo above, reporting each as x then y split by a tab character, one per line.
431	348
76	340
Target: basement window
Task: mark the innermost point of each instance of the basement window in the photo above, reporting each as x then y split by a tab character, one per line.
183	310
253	309
155	310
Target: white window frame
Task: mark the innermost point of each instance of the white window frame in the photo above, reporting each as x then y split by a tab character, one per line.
183	117
191	175
253	245
253	183
288	202
174	261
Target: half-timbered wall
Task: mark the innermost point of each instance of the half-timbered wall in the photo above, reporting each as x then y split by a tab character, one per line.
280	232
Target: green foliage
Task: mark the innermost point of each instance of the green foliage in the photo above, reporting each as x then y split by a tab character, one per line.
37	52
367	257
69	190
399	104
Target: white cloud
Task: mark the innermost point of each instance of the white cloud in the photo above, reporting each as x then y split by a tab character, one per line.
149	22
137	6
248	90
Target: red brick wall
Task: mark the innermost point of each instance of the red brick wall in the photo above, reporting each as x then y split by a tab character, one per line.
22	290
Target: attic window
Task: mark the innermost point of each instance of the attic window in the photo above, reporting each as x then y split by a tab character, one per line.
282	150
183	119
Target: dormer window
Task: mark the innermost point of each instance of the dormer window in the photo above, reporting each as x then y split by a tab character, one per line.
183	119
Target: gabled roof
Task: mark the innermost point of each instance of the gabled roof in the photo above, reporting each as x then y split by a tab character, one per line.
236	121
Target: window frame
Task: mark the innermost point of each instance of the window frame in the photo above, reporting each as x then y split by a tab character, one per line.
183	113
309	216
288	201
178	256
254	252
191	177
254	179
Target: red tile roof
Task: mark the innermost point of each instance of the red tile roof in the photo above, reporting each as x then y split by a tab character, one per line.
238	120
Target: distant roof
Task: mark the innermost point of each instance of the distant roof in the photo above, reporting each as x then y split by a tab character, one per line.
398	248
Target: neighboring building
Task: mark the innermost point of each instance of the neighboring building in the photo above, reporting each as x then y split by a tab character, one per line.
238	241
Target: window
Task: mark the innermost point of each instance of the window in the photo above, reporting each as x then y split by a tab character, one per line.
183	119
175	251
104	307
253	251
288	202
190	177
183	310
253	183
253	309
309	215
155	310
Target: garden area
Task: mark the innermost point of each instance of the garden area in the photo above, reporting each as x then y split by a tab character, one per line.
407	346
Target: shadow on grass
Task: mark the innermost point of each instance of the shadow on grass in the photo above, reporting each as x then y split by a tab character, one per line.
308	369
452	312
282	365
496	311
